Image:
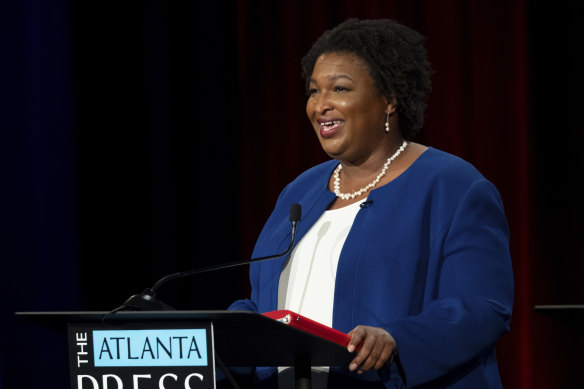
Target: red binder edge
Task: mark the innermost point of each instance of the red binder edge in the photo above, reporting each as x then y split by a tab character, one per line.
301	322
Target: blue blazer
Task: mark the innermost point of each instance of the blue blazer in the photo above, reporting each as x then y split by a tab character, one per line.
427	259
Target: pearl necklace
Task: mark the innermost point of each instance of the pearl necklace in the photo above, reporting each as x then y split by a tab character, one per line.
347	196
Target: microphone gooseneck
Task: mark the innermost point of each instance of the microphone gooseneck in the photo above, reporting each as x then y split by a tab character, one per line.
146	300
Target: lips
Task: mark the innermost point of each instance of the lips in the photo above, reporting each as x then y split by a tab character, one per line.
329	127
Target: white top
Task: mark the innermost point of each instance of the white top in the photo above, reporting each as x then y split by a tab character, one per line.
307	282
313	264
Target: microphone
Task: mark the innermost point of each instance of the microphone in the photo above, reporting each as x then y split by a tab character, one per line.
366	204
146	300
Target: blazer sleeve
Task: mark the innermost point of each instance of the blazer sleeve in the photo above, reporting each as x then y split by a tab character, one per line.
471	306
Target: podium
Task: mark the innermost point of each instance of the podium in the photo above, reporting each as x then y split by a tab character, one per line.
572	315
237	339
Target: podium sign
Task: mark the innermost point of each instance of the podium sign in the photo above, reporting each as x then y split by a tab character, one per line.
141	356
130	358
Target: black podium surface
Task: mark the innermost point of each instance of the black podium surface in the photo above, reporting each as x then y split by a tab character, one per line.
241	338
572	315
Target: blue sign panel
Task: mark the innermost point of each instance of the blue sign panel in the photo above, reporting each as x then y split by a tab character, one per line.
137	355
154	347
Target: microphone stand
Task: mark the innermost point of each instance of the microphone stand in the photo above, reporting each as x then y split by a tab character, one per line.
146	300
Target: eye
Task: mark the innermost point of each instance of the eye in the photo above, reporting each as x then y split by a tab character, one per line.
340	88
312	91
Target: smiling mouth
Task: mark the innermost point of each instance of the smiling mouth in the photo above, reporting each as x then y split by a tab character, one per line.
328	129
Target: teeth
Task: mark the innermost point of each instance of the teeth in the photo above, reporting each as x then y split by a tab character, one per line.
332	122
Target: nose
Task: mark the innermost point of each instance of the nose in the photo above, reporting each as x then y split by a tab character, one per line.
323	103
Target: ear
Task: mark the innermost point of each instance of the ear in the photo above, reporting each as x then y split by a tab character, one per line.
390	108
390	105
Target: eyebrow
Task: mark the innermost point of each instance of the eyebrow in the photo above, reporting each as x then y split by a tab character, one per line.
334	77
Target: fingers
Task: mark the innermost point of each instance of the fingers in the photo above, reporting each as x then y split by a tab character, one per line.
377	347
367	354
357	335
383	357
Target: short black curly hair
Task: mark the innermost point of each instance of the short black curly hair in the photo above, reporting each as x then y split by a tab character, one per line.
396	57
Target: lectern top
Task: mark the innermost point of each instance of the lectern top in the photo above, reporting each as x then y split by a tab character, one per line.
242	338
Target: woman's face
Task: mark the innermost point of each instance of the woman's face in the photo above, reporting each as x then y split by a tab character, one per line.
345	108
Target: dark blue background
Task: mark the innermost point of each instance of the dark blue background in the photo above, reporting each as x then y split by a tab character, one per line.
118	147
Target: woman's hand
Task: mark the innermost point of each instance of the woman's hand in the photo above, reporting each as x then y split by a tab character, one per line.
377	348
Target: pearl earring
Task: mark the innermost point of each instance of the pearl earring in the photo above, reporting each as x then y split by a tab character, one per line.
387	129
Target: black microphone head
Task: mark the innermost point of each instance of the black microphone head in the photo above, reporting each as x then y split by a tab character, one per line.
295	212
144	301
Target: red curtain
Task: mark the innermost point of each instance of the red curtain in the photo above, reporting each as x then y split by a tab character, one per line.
478	110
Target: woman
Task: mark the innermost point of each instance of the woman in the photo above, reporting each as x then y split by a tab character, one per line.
402	246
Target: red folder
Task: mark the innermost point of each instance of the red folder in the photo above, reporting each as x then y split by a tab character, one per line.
301	322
